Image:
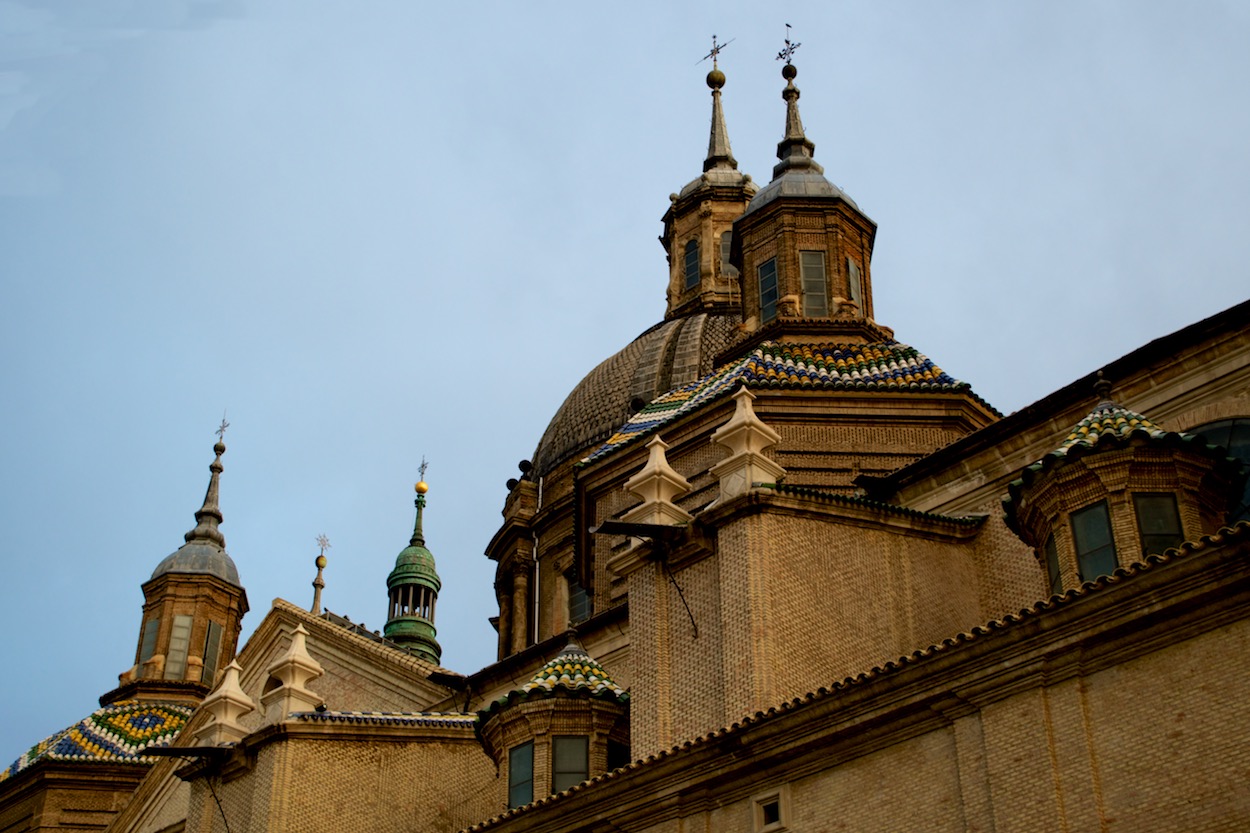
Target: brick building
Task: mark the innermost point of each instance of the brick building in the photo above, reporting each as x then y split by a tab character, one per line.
769	569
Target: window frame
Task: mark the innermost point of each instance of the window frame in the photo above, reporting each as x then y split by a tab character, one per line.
1173	537
1090	559
527	783
691	264
815	287
179	647
768	308
561	774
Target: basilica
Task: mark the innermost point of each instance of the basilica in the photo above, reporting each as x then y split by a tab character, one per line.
768	569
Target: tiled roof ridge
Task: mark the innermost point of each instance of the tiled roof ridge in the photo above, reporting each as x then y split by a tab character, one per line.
116	733
445	719
886	366
857	500
1225	535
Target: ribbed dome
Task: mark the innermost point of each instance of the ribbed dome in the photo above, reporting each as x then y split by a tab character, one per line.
414	563
199	557
670	354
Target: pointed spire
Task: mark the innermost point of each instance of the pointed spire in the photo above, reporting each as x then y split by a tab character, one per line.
795	150
418	534
719	154
208	516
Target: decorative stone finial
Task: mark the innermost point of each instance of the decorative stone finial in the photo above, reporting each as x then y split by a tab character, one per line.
293	671
746	436
226	705
657	484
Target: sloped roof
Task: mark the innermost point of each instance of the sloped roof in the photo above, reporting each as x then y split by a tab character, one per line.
428	719
1107	421
876	366
116	733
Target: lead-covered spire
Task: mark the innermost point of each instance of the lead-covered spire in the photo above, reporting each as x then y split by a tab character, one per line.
208	516
719	154
795	151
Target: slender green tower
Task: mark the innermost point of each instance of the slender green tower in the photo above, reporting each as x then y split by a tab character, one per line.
413	588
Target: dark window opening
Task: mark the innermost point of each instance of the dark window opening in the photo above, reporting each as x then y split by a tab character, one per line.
726	243
570	762
853	286
1052	566
1158	522
770	812
579	601
521	774
212	647
618	755
148	644
1095	546
692	264
768	290
1232	435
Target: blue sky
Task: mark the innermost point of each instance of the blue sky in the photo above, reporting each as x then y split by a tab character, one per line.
381	230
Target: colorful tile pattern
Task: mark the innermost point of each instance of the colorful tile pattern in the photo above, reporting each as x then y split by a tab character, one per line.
574	669
880	366
1108	420
118	732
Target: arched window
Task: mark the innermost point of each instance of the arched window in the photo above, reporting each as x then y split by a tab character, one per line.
1233	435
692	264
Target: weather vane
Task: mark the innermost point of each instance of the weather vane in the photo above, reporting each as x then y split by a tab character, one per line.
716	50
421	468
323	542
221	429
788	53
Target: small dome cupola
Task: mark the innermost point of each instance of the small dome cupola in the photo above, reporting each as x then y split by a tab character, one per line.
569	723
1118	488
413	589
193	610
802	246
699	223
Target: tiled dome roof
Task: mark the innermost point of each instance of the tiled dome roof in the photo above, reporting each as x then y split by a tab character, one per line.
879	366
116	733
574	669
670	354
1108	420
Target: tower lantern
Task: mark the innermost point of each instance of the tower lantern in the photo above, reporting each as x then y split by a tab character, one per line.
413	590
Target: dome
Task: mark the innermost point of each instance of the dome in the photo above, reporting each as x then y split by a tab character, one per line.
414	563
670	354
798	183
199	557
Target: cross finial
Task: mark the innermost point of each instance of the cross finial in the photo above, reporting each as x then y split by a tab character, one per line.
788	53
323	542
221	429
716	50
421	468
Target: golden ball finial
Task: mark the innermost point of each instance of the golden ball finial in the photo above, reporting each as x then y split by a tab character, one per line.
321	562
422	487
715	78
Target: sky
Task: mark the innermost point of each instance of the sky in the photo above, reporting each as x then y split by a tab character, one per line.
378	231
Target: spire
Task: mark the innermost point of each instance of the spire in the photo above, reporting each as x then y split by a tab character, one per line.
719	155
795	150
413	590
209	515
319	583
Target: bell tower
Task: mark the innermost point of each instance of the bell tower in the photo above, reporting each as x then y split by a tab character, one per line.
803	246
698	226
413	590
192	613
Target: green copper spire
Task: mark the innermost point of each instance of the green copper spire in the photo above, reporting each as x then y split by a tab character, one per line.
413	589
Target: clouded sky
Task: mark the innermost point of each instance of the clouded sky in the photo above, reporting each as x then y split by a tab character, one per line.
374	231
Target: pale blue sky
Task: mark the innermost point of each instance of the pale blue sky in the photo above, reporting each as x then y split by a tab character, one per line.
380	230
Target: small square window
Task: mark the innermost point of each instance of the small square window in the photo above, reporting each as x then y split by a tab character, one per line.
770	811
